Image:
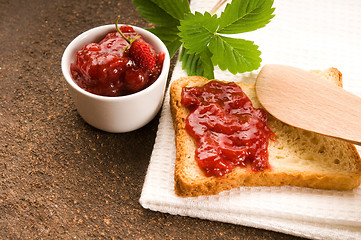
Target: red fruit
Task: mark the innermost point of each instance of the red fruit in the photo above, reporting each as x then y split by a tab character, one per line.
135	79
98	69
117	66
126	29
142	54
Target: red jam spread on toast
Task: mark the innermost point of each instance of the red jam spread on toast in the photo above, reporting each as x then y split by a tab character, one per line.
107	69
228	130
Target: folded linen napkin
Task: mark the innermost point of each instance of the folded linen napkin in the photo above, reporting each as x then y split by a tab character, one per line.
307	34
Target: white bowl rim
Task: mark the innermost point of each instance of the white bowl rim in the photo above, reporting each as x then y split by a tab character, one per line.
66	65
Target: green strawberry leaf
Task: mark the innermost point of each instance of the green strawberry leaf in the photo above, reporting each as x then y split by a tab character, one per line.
204	46
154	14
197	30
206	64
236	55
169	36
245	16
176	8
165	15
197	64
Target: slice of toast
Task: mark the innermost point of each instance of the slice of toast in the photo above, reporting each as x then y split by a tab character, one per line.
297	158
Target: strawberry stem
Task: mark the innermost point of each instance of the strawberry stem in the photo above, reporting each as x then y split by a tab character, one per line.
217	6
121	33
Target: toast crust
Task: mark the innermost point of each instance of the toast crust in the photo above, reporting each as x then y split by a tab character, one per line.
335	164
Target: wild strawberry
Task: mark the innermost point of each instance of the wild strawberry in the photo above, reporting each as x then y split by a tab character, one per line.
142	54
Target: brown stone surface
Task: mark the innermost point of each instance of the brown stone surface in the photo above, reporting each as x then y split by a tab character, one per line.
59	177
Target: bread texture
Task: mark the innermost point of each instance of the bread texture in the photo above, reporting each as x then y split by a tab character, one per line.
297	158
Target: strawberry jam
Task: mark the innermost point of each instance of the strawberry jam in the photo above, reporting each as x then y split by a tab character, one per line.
228	130
106	68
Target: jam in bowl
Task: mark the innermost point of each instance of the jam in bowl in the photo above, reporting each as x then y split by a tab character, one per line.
113	90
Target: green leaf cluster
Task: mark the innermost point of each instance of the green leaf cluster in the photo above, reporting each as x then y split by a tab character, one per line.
206	38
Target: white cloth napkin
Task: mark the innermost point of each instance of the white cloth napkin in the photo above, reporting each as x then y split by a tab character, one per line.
307	34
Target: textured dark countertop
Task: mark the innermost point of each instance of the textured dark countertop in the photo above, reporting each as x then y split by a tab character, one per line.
59	177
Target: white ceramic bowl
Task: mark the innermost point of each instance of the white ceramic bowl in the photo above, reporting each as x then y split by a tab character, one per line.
116	114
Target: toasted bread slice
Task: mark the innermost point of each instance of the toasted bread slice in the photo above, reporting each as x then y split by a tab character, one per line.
297	158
